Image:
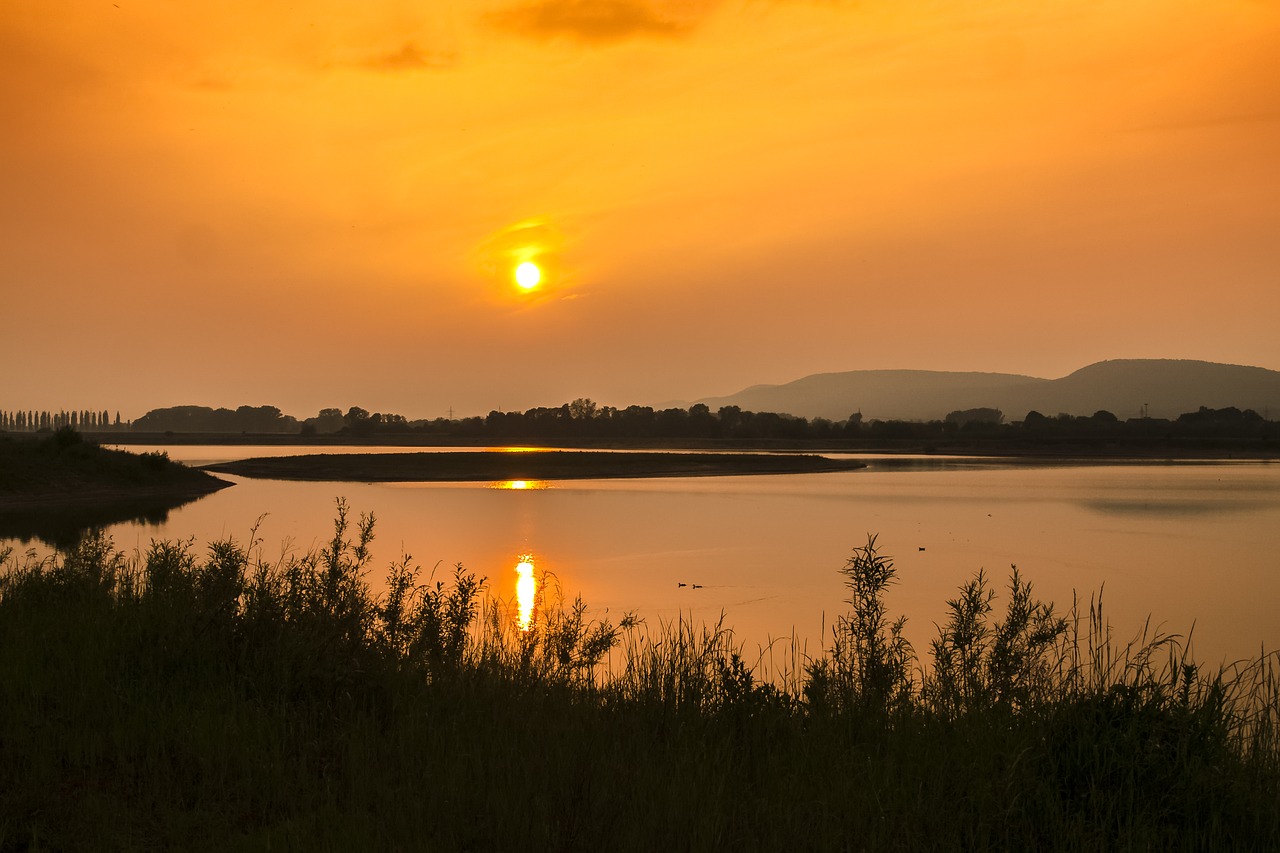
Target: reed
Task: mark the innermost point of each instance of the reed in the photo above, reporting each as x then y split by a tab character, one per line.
195	699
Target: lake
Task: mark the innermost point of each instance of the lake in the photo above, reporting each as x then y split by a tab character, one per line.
1186	543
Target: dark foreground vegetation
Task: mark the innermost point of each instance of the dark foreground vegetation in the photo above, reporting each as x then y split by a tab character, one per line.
546	465
218	700
63	468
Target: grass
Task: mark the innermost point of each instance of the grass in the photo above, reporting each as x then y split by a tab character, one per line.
63	469
186	699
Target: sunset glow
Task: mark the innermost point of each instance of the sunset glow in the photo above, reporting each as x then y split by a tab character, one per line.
707	175
526	592
813	316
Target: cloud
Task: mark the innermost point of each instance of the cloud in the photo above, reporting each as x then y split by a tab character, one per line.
602	21
409	57
531	240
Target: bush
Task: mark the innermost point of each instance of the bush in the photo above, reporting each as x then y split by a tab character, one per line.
175	700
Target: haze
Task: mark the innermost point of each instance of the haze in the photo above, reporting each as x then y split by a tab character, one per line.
242	203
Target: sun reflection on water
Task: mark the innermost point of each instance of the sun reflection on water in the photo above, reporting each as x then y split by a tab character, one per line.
519	485
526	587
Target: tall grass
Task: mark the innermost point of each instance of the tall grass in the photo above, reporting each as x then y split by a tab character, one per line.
213	699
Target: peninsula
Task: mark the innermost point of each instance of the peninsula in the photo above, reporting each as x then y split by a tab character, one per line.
526	465
63	470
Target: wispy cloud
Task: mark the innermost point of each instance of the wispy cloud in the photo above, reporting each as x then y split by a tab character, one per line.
409	57
602	21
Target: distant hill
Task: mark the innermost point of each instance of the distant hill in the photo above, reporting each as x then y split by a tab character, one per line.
1168	387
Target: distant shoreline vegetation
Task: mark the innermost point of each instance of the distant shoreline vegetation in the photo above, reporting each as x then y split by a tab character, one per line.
583	421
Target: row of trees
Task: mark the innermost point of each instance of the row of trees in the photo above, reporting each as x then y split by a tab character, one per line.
584	419
31	420
245	419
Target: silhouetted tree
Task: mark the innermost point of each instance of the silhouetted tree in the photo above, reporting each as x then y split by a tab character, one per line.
582	409
962	417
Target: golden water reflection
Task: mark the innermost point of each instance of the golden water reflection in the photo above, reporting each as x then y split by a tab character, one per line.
520	485
526	589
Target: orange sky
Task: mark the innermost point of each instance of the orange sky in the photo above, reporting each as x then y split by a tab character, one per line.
243	203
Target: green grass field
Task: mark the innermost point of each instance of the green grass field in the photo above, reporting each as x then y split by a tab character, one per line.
209	699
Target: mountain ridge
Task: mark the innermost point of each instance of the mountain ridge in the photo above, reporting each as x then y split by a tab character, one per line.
1125	387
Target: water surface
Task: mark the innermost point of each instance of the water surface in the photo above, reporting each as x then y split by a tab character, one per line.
1183	543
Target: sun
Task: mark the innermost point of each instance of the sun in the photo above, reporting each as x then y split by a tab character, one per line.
528	275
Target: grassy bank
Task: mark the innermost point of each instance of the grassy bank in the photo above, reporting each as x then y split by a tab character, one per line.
214	699
62	469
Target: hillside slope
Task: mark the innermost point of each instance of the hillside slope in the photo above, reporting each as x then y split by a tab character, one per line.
1167	387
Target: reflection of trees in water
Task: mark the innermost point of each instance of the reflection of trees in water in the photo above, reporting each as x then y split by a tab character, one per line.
63	527
1173	508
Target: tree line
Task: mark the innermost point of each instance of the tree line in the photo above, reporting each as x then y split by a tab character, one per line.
583	419
32	420
244	419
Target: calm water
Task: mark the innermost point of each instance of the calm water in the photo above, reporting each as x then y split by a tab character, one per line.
1183	544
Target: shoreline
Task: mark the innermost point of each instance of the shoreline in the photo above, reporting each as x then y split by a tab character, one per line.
90	497
481	466
1109	450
